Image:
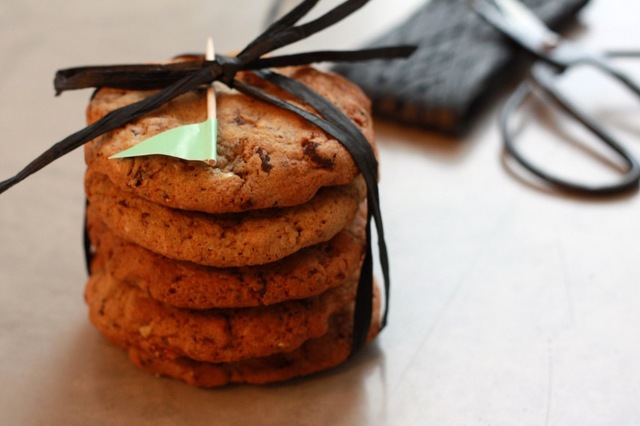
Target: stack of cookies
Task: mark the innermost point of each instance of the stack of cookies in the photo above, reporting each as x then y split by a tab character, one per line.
244	272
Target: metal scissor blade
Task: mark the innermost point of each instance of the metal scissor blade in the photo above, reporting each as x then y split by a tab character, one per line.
520	15
520	24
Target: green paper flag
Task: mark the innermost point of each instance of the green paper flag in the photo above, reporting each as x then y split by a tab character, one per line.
190	142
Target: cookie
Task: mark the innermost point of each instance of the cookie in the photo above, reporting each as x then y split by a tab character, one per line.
250	238
128	317
313	356
267	157
303	274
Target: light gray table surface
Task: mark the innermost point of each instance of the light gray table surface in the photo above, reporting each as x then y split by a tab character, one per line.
511	305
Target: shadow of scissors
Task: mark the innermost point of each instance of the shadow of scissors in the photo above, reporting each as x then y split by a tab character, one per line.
556	55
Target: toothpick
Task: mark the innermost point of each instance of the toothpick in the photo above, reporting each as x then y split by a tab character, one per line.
195	142
210	55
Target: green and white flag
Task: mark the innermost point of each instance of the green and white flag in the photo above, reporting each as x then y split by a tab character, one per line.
190	142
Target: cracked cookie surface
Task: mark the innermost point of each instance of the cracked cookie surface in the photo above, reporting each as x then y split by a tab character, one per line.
126	316
249	238
315	355
267	157
303	274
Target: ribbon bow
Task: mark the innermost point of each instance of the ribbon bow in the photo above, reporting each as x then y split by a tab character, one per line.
177	78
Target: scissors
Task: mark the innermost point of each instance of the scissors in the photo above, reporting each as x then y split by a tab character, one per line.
556	55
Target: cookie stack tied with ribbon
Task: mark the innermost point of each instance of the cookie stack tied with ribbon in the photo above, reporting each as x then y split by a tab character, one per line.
246	271
250	261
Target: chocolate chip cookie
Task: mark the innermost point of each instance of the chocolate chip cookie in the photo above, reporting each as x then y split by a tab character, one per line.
267	157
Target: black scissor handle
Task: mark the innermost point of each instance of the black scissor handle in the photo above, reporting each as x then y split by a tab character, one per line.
543	76
601	62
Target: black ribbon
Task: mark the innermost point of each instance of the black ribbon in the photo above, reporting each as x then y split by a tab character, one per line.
178	78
